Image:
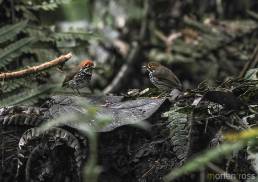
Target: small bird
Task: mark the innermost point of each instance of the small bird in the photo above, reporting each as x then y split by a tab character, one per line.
162	77
80	76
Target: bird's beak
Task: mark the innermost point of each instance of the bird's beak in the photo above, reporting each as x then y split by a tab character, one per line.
93	66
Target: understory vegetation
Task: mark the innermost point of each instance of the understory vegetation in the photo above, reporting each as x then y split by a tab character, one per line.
123	128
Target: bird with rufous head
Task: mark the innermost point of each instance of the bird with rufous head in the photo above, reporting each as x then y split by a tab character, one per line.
80	76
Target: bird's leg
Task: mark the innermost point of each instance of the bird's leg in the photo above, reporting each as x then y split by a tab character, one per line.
73	89
107	104
78	91
162	94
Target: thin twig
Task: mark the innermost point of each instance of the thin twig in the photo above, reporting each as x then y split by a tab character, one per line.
35	69
251	63
125	70
252	15
149	170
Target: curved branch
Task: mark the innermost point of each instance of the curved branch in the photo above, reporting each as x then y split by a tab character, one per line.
125	70
251	63
35	69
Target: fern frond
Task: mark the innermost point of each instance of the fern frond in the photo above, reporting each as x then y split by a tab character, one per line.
49	6
39	33
11	85
83	36
10	31
14	50
41	54
28	97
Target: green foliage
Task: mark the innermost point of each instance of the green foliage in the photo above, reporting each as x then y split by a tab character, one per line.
14	84
179	124
27	97
30	43
81	36
49	5
13	50
9	32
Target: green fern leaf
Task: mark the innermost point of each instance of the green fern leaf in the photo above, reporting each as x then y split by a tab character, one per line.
40	34
14	50
14	85
50	6
28	96
10	31
84	36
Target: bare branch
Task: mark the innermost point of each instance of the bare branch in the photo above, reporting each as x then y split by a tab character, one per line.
126	69
35	69
251	63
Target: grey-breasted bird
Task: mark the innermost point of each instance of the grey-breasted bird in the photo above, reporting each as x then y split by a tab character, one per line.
162	77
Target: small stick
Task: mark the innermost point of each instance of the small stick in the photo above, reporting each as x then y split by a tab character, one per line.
34	69
125	71
251	63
